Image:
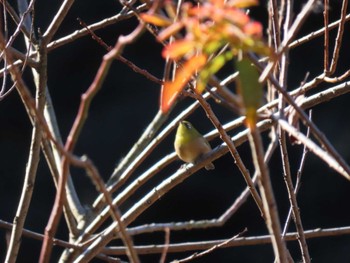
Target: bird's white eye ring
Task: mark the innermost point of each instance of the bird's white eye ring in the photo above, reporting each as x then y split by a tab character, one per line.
188	126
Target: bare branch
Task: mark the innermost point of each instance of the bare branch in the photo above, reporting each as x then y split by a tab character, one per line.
57	20
32	165
240	241
93	27
198	255
339	38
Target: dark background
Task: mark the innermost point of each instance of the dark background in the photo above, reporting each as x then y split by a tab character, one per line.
121	111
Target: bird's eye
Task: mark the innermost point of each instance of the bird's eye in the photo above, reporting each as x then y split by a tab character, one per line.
188	126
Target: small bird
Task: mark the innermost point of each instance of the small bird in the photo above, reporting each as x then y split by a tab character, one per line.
190	145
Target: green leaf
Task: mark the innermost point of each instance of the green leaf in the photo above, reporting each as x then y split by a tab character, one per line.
212	68
250	89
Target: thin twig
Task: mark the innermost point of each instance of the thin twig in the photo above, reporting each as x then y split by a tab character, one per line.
21	23
298	181
326	38
16	18
339	37
23	57
127	62
273	13
282	141
298	22
324	155
210	250
317	33
166	245
93	27
74	205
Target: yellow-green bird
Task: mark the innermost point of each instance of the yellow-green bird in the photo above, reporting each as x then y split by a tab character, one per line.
190	145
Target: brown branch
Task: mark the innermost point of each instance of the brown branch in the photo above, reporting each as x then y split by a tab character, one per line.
240	241
166	245
75	132
313	128
326	38
273	13
57	20
32	164
293	201
40	237
16	18
21	23
93	27
298	181
298	22
133	159
283	144
116	214
201	224
190	246
210	250
308	102
150	198
267	196
339	38
30	106
74	208
23	57
236	157
337	79
324	155
317	33
127	62
37	236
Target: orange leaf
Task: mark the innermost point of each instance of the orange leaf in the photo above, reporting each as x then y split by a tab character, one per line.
218	3
156	20
177	49
243	3
170	31
171	90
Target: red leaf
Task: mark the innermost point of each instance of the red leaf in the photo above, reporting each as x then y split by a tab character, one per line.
253	29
